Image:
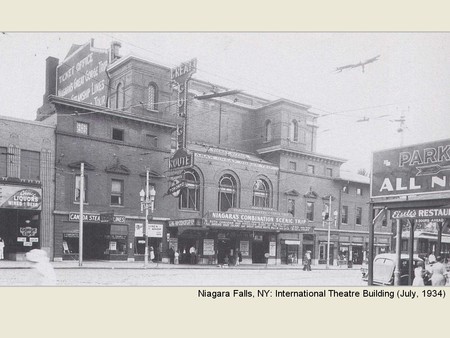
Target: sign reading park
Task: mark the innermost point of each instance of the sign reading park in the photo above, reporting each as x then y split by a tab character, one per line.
82	76
412	170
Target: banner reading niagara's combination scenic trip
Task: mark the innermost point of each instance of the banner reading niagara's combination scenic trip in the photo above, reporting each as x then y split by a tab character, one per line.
413	170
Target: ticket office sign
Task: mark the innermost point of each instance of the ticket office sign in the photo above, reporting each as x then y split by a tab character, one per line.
413	170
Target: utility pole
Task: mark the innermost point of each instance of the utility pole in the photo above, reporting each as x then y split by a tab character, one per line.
80	239
146	219
329	235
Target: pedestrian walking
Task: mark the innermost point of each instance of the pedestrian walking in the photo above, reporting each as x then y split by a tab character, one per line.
171	253
307	261
419	273
438	272
239	257
152	254
43	272
177	257
192	253
2	248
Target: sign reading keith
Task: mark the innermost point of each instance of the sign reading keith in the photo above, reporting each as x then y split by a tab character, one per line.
412	170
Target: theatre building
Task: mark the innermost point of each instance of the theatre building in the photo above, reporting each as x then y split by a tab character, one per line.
26	186
243	175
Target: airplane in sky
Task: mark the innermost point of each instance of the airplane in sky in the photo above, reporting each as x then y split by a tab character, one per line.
361	64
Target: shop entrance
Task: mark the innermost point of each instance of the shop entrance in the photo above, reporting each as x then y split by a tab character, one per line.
357	254
224	248
259	248
95	241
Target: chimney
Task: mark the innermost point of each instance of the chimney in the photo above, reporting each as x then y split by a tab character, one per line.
114	52
50	77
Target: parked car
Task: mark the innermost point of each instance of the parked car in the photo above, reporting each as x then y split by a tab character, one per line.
384	267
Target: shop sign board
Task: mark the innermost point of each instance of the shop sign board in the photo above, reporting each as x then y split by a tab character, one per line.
180	76
412	170
82	76
272	249
155	230
138	230
107	217
244	247
208	247
181	159
255	222
437	214
16	197
175	187
93	218
184	222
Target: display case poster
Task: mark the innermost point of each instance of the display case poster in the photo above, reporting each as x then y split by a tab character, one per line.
138	230
272	248
112	245
173	242
208	247
244	247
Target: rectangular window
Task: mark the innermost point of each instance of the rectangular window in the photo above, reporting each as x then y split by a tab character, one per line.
152	140
30	165
117	134
359	191
3	154
77	188
116	192
358	215
310	211
292	165
291	207
329	172
310	169
344	214
82	128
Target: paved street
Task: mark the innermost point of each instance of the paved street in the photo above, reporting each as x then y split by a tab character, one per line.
164	275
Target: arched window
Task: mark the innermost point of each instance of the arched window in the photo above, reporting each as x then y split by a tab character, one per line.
268	131
227	192
190	194
261	194
120	99
152	96
293	132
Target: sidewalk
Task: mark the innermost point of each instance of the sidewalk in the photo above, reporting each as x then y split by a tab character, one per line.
4	264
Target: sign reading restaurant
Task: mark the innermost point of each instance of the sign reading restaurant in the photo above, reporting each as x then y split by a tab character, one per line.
411	170
417	213
250	221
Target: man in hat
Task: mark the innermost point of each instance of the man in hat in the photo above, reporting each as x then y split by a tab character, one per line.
44	274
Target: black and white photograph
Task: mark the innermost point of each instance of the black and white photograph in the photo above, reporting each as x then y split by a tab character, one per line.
218	159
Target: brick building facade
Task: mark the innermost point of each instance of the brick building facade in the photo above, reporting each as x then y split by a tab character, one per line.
26	186
256	183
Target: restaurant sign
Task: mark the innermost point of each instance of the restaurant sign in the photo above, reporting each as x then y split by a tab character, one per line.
434	214
412	170
16	197
255	221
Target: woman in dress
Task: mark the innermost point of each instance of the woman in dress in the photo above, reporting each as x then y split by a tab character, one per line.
438	272
418	275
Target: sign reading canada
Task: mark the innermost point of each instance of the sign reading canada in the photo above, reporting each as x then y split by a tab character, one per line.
13	197
82	76
412	170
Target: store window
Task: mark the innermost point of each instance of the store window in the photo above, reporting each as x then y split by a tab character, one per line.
190	194
30	165
3	154
120	97
291	207
268	131
116	192
358	216
152	98
261	194
70	243
227	192
344	214
293	132
82	128
310	211
78	187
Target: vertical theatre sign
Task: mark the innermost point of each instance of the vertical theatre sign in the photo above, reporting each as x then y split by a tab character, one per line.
82	76
412	170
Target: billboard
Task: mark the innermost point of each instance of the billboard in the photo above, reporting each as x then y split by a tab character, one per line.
412	170
82	76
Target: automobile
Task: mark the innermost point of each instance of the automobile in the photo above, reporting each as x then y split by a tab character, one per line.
384	267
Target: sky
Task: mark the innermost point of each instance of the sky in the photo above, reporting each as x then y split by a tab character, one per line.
411	77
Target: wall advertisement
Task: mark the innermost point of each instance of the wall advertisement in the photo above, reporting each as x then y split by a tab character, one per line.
17	197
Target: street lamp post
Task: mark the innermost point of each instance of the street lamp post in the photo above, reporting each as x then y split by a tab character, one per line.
147	201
